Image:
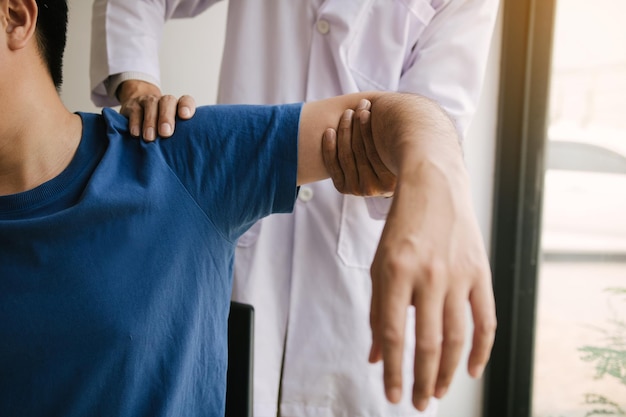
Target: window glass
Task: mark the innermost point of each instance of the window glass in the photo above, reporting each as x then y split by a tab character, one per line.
580	339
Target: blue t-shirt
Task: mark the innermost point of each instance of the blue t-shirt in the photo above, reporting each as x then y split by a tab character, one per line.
115	276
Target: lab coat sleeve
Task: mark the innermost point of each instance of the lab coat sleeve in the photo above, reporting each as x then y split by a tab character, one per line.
126	37
449	60
448	65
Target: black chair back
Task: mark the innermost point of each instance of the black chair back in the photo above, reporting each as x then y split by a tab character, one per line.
239	383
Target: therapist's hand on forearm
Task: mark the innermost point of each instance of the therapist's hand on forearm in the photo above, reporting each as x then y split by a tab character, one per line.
351	158
149	112
431	254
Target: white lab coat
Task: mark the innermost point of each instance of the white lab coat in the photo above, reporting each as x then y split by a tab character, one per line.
307	273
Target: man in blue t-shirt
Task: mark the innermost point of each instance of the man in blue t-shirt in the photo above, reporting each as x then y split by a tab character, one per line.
116	255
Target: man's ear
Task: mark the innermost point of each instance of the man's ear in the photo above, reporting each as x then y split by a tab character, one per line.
21	22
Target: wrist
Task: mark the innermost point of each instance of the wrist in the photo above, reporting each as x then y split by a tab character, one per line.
113	81
435	183
128	89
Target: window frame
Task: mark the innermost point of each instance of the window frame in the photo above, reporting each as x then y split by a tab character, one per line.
520	147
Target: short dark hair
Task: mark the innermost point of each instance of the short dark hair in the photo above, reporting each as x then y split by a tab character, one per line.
52	36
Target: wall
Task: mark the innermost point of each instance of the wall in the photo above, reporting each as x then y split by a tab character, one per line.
184	71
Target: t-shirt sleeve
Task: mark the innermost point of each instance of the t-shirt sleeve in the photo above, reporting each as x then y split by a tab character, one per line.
238	162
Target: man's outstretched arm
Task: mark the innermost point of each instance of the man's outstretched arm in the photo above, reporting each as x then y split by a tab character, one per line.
431	254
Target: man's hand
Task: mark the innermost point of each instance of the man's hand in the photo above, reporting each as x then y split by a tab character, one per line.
431	254
436	264
351	158
149	112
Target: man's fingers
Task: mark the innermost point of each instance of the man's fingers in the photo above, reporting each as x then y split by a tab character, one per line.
329	154
376	353
392	335
394	299
452	346
428	302
483	313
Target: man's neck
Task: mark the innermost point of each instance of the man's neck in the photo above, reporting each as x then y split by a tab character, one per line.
38	139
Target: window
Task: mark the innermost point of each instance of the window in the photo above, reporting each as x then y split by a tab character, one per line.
559	243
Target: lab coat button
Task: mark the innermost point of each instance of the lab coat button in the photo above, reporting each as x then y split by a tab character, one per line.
305	194
323	26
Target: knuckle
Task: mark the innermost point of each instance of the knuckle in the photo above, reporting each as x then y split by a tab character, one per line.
453	340
402	259
475	268
473	265
486	327
391	336
431	271
148	100
427	347
396	268
130	107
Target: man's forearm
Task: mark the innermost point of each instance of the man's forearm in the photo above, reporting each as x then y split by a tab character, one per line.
431	254
418	141
404	126
412	132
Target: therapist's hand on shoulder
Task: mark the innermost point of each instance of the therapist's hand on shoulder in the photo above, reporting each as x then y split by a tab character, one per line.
350	156
149	112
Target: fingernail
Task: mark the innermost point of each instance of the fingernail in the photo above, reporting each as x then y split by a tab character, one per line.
362	104
166	129
185	112
134	131
394	395
149	135
347	115
440	392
